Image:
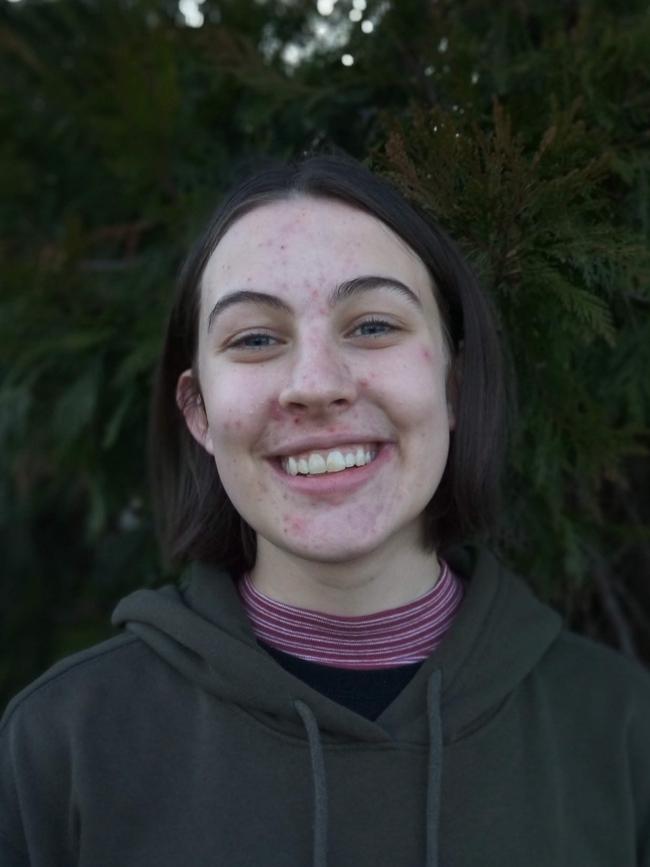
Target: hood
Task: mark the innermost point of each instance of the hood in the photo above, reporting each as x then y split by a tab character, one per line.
500	633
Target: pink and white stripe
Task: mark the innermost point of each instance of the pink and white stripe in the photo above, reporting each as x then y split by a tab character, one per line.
386	639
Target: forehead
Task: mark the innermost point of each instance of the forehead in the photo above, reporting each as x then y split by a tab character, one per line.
306	243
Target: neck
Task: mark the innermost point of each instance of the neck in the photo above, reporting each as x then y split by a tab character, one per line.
388	578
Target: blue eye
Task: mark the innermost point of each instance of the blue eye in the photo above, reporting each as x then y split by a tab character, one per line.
255	340
375	327
258	340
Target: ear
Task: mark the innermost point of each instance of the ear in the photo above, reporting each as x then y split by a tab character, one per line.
454	381
190	403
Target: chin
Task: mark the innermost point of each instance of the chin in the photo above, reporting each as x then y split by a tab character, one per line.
334	553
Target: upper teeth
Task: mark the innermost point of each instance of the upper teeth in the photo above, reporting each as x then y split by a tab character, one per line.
316	463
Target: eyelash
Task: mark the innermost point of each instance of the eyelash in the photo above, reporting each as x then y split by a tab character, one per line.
240	343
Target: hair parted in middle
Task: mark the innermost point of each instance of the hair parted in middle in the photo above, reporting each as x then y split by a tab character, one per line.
195	518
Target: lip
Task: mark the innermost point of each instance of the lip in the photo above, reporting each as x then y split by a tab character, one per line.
331	484
322	444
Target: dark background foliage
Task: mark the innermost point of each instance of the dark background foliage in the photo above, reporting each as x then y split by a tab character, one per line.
524	126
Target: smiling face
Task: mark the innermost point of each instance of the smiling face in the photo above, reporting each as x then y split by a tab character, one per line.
320	339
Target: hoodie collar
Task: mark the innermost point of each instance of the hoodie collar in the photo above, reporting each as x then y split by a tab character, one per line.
499	634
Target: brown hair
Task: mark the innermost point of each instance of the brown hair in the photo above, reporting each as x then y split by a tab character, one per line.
195	518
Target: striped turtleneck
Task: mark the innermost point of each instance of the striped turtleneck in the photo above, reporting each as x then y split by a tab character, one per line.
388	639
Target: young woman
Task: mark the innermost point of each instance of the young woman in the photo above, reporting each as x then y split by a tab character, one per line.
333	683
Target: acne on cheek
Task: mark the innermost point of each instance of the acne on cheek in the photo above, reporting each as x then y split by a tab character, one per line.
278	414
372	379
292	524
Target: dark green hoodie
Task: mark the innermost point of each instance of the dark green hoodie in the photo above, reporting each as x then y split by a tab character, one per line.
182	742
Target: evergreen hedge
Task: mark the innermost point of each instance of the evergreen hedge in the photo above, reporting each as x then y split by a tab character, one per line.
522	127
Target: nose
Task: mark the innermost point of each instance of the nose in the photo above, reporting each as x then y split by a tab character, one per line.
319	380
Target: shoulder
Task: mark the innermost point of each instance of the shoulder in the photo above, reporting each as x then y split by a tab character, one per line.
45	726
596	664
82	680
599	683
597	703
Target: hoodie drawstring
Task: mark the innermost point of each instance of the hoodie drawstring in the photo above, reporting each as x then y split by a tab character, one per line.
320	786
434	769
434	774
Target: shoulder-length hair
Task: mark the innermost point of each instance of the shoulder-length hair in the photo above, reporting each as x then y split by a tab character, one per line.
195	518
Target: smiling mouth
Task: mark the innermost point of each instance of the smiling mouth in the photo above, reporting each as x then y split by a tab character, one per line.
318	463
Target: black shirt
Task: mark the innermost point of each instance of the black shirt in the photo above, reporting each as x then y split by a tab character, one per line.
367	692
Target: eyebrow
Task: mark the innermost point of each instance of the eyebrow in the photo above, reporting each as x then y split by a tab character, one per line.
340	293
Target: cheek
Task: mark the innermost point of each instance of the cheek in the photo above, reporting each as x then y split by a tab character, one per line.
423	405
233	426
414	384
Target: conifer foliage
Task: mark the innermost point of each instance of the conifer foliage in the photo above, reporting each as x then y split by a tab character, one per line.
523	128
